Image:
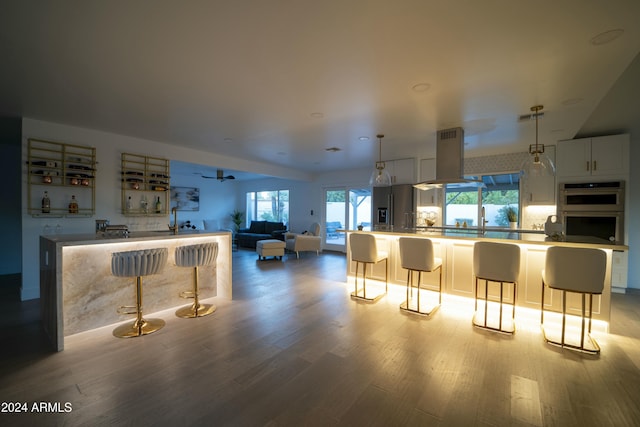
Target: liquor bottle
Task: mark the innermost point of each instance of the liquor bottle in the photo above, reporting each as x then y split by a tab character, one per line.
46	203
129	204
158	205
73	205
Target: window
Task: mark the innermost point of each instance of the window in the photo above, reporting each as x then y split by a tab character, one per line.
268	206
463	204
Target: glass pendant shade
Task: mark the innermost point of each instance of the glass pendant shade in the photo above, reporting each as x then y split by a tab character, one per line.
538	164
380	178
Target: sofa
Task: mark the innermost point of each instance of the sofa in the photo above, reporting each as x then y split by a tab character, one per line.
260	230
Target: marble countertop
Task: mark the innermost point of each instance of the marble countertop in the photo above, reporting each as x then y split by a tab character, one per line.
97	238
516	236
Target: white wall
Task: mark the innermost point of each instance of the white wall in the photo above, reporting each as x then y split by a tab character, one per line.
216	201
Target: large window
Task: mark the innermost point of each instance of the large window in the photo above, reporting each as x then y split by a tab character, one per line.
268	206
463	204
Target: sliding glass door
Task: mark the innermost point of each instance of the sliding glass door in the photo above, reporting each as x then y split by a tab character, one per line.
345	208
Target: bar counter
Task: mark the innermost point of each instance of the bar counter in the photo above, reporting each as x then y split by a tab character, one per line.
79	293
455	247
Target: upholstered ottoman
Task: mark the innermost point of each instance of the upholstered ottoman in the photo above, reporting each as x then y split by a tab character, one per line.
270	247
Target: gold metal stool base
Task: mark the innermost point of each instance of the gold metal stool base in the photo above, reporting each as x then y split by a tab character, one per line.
405	306
359	296
195	310
138	328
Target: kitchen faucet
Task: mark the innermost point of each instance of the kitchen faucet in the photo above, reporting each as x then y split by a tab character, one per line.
174	228
483	222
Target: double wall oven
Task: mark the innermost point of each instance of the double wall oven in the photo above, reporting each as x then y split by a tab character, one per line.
593	209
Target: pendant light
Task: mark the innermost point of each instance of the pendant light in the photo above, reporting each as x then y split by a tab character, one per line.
380	176
539	164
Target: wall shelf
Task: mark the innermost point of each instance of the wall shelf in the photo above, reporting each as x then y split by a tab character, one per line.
145	180
62	170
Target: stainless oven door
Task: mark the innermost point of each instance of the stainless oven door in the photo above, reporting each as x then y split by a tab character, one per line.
592	199
604	225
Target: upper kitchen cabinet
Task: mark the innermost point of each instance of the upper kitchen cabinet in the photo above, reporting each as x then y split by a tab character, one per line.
600	156
402	171
540	190
145	185
427	173
60	179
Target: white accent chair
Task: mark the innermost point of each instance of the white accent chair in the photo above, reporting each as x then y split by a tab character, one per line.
304	242
418	255
498	263
364	250
578	270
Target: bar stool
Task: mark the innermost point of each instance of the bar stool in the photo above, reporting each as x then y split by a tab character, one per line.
195	256
577	270
499	263
365	250
137	264
417	255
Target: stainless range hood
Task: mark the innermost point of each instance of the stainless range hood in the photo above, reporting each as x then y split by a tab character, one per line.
449	162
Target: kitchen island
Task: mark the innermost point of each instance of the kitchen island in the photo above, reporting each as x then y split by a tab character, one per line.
78	291
455	247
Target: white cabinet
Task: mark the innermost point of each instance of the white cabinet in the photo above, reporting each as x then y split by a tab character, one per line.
599	156
402	171
428	172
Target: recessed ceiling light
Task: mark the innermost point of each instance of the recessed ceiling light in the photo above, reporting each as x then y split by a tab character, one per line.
332	149
364	138
421	87
317	115
228	140
606	37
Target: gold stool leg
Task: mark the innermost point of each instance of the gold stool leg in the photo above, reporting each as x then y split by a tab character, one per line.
140	326
196	309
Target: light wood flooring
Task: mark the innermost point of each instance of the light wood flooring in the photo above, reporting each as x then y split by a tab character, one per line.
292	349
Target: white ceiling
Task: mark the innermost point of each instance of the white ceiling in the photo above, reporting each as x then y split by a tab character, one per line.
245	78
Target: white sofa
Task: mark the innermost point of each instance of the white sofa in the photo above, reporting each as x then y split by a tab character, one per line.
311	241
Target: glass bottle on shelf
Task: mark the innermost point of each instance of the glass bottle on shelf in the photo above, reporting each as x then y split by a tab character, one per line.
46	203
129	206
158	205
143	203
73	205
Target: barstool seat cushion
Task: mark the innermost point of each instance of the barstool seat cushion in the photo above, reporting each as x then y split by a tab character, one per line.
418	254
365	249
138	263
196	255
575	269
499	262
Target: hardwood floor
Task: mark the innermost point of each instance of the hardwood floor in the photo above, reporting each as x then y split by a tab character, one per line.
293	349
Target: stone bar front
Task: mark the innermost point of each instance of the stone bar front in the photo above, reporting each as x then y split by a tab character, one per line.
78	292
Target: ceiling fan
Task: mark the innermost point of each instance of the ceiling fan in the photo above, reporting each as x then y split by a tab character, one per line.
220	176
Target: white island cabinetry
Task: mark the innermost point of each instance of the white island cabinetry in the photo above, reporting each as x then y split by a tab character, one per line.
456	251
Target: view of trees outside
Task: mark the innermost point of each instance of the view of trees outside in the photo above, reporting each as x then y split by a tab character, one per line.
464	204
268	206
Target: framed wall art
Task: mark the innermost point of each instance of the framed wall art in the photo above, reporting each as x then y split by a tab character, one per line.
185	198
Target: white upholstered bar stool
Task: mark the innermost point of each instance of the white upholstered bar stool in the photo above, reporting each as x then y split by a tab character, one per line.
498	263
136	264
578	270
194	256
417	255
364	250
